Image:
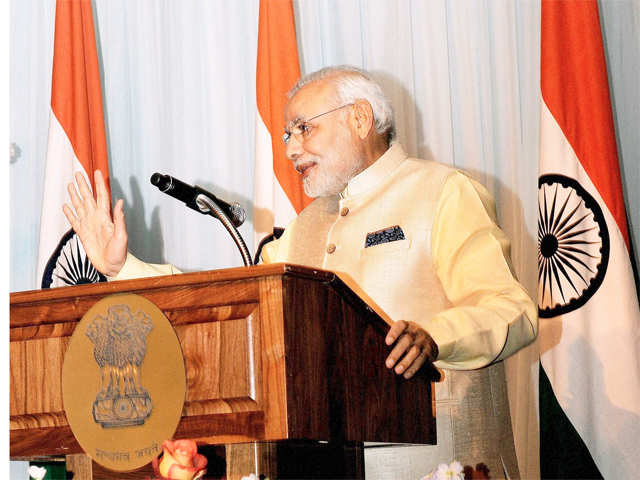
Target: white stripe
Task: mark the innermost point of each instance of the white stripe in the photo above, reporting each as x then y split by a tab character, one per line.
271	206
61	165
592	355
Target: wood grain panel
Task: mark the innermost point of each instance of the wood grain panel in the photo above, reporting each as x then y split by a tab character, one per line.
273	395
172	292
201	349
37	375
34	442
308	316
181	316
235	427
208	277
200	296
17	378
41	420
80	465
64	329
235	377
219	429
219	406
355	397
213	381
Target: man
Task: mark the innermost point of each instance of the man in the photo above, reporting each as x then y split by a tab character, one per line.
419	238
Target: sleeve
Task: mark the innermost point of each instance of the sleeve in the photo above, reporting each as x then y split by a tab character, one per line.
491	316
136	268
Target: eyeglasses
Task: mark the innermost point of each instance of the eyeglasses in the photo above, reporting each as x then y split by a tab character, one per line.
302	128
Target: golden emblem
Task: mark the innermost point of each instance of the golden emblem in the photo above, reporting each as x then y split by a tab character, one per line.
120	344
123	382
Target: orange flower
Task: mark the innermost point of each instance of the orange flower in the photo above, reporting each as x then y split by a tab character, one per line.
180	461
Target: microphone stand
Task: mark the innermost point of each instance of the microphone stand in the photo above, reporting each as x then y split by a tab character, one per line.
206	205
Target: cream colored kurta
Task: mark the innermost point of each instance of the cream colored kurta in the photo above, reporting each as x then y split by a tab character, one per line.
450	274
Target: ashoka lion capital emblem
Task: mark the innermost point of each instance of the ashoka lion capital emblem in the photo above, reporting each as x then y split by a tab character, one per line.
120	345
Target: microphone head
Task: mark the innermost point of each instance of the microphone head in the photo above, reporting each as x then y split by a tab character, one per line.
238	213
163	182
156	179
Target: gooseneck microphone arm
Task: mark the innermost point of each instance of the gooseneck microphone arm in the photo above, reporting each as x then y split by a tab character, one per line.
200	200
208	206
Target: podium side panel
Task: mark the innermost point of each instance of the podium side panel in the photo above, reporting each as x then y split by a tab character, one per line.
339	387
308	316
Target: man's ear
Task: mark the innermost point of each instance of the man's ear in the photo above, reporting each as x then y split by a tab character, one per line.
362	118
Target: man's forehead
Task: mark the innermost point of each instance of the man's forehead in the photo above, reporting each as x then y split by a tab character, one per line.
313	96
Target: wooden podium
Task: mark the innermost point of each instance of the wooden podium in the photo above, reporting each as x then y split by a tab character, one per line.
282	355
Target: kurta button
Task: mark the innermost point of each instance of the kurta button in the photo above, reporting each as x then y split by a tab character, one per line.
331	248
344	211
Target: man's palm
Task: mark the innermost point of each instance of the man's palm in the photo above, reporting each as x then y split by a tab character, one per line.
104	238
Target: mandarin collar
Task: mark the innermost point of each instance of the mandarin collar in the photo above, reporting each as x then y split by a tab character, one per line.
374	174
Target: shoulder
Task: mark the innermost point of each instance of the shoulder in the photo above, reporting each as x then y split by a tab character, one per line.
436	172
422	178
463	190
428	166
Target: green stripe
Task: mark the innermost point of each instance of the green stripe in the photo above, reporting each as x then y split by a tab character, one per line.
563	454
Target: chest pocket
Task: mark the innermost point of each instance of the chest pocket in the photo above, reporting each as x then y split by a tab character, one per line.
383	273
376	251
385	261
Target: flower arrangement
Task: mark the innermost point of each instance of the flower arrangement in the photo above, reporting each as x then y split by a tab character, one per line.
37	473
180	460
453	471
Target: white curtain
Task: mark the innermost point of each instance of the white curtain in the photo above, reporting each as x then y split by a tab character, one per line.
463	78
179	97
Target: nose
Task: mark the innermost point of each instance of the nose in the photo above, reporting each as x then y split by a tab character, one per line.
293	149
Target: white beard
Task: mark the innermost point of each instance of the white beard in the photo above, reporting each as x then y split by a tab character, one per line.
330	176
324	183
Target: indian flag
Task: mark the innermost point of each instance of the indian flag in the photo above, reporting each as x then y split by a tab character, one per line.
76	143
278	192
589	315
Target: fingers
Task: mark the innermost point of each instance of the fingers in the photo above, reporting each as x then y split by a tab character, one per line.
81	198
76	201
395	331
403	344
415	365
116	250
413	344
71	218
119	221
85	191
408	359
102	195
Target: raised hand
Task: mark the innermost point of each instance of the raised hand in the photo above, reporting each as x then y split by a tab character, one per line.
104	238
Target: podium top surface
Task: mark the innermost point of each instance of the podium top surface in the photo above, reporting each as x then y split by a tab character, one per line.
190	278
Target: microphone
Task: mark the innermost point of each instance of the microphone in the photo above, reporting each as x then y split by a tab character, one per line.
188	194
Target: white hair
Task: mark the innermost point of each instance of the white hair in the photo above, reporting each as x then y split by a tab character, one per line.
353	84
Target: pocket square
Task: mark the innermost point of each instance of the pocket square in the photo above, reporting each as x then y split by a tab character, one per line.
386	235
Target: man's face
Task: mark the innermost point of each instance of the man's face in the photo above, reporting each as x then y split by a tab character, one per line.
327	156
